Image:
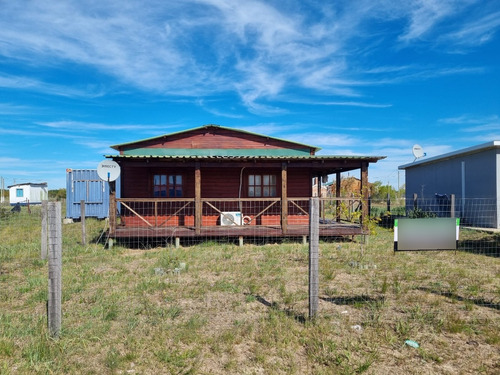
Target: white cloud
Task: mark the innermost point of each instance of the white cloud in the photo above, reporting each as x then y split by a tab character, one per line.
476	124
79	126
475	32
257	49
424	15
30	84
324	140
14	109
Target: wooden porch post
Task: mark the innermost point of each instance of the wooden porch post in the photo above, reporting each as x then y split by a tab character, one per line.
198	214
284	199
364	195
337	195
112	209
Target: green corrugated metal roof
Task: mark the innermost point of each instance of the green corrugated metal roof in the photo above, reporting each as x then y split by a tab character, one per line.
116	147
254	157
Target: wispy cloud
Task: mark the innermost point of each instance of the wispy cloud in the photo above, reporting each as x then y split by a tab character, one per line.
14	109
475	124
475	32
30	84
425	14
356	104
209	108
79	126
324	140
253	48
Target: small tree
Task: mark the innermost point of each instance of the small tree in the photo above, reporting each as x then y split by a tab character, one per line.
58	194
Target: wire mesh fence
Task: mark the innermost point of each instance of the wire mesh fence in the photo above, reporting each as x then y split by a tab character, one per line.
212	293
344	248
479	218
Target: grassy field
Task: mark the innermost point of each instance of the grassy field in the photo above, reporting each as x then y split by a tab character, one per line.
243	310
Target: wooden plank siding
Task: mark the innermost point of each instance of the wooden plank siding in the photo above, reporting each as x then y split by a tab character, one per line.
208	138
224	182
215	163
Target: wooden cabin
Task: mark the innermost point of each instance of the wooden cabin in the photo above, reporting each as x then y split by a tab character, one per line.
218	181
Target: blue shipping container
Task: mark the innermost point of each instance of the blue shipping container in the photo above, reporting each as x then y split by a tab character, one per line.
85	184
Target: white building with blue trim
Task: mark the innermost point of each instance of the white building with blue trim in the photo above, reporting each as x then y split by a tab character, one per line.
28	193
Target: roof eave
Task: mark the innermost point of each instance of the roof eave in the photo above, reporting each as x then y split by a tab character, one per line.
372	159
451	155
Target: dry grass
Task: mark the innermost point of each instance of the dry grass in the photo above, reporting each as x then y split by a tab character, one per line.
235	310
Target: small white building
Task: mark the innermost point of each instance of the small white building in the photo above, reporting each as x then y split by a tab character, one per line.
28	193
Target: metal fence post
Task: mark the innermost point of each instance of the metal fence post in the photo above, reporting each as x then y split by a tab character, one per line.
43	250
55	268
313	257
82	219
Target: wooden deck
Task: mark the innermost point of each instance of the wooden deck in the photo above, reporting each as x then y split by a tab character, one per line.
328	230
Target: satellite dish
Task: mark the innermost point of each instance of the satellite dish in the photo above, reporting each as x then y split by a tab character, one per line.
418	151
108	170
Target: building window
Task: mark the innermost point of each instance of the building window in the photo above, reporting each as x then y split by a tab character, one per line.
19	193
261	185
167	185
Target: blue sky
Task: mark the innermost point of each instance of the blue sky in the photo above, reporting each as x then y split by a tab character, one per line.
352	77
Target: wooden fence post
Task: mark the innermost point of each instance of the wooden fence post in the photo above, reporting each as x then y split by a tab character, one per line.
370	206
112	209
313	257
415	201
82	219
452	205
45	234
55	268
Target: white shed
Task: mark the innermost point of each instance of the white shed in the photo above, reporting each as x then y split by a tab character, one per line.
28	193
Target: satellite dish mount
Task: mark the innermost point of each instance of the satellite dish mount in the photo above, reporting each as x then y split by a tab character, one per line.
418	152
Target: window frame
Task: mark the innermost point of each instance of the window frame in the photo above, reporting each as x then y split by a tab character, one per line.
168	183
262	185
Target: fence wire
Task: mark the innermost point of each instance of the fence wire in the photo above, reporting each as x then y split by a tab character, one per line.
354	268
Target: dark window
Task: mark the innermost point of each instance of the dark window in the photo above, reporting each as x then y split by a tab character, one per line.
261	185
167	185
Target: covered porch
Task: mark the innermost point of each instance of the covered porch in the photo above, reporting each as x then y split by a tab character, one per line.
218	198
260	218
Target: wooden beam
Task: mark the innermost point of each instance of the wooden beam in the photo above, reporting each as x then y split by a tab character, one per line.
135	213
112	209
284	199
296	205
173	215
337	195
364	195
198	207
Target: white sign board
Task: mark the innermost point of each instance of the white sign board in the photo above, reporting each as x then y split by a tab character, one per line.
426	234
108	170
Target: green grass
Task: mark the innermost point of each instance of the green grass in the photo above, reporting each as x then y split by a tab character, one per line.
234	310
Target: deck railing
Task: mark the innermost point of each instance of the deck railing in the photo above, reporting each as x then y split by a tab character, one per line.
182	212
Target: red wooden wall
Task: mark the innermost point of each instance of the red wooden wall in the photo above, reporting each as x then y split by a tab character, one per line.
137	182
214	138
